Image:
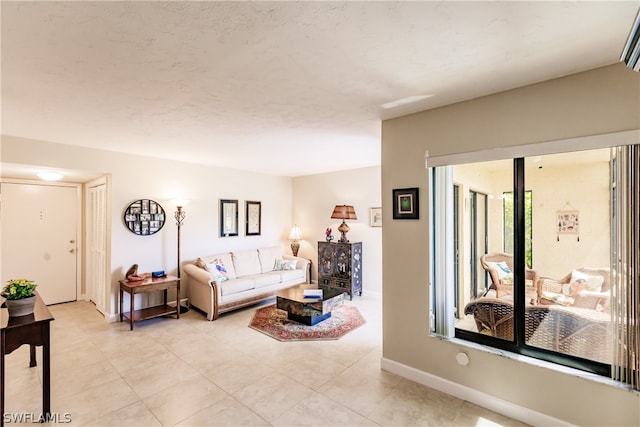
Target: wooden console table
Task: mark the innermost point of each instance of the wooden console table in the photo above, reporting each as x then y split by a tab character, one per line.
32	329
149	285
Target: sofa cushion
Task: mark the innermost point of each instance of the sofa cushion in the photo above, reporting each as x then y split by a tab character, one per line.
268	257
224	257
265	279
503	270
296	274
234	286
285	264
246	263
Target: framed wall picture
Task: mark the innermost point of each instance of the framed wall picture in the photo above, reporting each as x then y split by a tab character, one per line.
375	217
405	203
228	218
252	218
568	222
144	217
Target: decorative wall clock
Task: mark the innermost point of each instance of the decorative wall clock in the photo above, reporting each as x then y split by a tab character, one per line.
144	217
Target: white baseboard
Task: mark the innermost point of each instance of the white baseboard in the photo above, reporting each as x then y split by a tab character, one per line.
476	397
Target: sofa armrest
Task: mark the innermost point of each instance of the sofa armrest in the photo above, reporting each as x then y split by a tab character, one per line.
303	264
547	284
593	300
204	292
199	274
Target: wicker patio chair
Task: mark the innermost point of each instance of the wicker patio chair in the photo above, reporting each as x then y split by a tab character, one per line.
503	287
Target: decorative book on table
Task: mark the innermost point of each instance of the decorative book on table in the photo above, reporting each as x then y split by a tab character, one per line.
312	293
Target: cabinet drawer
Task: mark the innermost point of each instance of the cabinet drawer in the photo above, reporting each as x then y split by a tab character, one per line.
342	284
324	281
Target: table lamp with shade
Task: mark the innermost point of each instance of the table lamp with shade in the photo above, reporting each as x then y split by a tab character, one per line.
343	212
294	236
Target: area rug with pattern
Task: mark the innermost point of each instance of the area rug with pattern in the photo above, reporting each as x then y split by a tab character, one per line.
273	322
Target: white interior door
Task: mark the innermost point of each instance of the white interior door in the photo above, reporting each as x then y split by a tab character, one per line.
97	244
39	237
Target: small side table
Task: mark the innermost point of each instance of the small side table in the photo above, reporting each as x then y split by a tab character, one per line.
144	286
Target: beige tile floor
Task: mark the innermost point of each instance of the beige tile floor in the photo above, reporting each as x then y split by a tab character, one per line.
191	372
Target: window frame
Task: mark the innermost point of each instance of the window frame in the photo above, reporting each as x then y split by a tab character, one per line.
518	344
528	219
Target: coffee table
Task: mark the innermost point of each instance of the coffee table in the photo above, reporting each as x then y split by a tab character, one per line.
309	311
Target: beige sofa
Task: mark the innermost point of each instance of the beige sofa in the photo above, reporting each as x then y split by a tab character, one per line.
230	280
579	289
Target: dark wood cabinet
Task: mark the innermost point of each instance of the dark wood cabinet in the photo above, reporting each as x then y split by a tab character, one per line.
340	266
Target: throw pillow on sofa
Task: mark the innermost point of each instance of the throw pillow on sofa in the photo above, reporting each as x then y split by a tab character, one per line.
218	269
284	264
572	289
591	283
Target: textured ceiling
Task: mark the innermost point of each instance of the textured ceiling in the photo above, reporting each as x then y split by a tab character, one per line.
287	88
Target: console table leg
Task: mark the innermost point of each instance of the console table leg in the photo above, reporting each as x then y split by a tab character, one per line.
2	380
132	296
46	371
32	356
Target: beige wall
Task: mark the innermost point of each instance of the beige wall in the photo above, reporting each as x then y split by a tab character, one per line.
137	177
596	102
558	187
315	196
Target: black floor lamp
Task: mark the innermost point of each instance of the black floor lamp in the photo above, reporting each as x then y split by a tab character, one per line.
179	216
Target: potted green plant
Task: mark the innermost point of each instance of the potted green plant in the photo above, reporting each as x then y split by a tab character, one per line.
20	295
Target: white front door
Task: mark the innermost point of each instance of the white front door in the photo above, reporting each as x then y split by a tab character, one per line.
39	226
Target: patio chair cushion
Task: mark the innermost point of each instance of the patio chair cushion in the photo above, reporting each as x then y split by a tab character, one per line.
590	282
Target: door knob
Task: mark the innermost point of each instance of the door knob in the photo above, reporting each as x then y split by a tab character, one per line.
71	251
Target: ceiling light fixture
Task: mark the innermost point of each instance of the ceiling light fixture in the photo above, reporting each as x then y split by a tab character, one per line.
404	101
50	176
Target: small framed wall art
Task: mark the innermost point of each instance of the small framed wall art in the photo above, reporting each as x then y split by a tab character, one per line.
375	217
228	218
144	217
405	203
252	218
568	222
